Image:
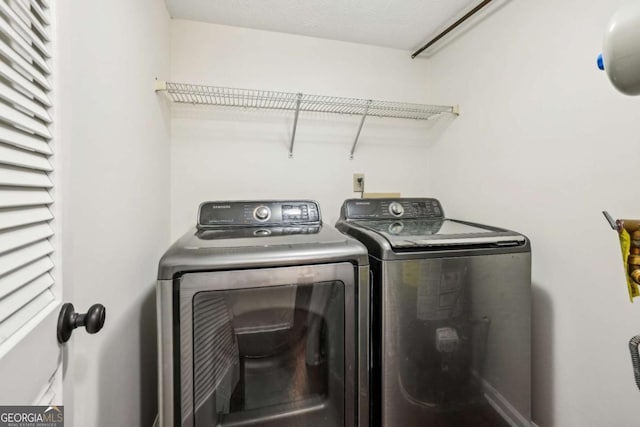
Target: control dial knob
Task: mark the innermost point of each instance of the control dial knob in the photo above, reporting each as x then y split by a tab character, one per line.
396	209
262	213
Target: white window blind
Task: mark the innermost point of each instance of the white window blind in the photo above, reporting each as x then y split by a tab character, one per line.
25	264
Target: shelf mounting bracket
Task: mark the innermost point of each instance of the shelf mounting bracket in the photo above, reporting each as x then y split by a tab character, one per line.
295	125
364	116
160	85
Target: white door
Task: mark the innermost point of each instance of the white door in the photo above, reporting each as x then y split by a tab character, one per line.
31	359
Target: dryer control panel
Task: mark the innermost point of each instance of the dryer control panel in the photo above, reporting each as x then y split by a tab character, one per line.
263	213
406	208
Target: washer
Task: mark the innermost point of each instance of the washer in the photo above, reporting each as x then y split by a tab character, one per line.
451	316
263	320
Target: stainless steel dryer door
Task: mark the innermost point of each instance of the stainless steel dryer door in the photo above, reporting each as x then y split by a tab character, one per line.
268	347
456	341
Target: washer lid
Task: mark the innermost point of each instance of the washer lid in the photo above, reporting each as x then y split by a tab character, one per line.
420	233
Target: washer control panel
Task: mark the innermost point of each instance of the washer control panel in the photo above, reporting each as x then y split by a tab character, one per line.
258	213
408	208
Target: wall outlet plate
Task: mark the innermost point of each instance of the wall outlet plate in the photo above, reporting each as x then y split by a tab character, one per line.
358	182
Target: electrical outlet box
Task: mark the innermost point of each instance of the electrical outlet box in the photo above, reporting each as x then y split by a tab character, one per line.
358	182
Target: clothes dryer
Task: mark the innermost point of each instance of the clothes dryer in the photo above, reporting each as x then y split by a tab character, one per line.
451	316
263	320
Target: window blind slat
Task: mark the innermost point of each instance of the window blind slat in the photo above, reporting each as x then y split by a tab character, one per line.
24	256
24	159
12	96
15	217
19	61
13	136
40	12
44	16
18	237
17	78
27	34
11	197
11	325
12	176
32	20
23	121
18	298
28	50
19	278
44	4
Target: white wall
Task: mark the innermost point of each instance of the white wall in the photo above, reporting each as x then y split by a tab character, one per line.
222	154
115	148
543	145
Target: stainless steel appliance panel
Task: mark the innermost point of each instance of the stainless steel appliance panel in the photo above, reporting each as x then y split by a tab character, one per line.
456	341
230	320
166	362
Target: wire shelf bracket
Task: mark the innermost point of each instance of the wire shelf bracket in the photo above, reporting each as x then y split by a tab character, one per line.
260	99
295	125
355	142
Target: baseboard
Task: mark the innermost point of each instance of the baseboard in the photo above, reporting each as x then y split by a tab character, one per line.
501	405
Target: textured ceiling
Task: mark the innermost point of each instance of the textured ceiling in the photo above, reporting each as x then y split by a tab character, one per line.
400	24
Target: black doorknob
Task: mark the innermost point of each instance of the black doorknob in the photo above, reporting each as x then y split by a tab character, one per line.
68	320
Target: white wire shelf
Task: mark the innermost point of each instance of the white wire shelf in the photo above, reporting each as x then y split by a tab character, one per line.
260	99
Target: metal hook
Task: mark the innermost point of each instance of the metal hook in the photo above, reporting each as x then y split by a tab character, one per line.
612	222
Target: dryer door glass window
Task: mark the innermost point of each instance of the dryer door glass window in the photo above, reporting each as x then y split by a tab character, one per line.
270	355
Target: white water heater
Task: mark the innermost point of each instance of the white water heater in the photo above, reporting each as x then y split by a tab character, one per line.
620	56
